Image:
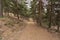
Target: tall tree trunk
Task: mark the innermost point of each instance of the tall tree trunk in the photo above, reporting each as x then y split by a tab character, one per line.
40	8
50	14
1	8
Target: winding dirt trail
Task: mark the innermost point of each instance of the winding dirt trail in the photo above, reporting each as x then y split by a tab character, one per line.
31	32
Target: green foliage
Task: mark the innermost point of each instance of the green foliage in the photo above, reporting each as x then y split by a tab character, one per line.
15	7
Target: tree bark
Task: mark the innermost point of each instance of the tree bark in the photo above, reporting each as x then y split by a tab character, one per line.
1	8
40	9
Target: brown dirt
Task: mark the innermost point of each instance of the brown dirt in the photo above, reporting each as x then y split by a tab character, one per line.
30	31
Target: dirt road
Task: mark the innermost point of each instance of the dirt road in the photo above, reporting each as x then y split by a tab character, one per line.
30	32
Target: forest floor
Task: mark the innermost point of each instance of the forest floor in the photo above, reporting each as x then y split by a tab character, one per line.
26	30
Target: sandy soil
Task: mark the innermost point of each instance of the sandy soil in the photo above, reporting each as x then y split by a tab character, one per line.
29	31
